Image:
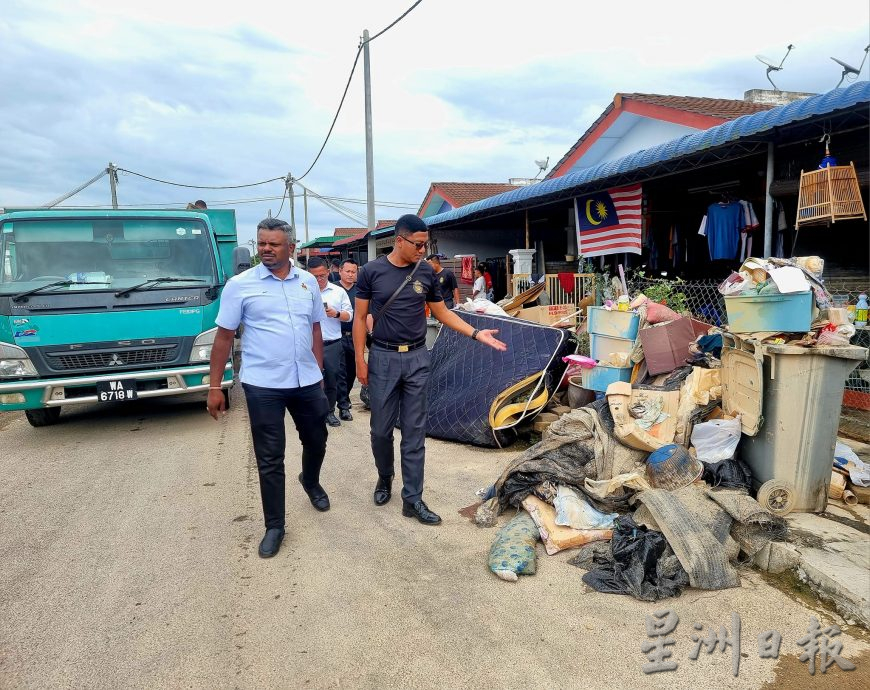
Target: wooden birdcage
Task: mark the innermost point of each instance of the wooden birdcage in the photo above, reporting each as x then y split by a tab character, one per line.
828	195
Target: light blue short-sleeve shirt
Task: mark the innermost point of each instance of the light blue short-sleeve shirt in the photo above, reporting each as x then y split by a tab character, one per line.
278	316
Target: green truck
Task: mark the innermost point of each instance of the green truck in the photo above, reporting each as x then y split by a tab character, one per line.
110	306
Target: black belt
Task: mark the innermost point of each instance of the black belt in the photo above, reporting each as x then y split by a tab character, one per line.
399	347
331	342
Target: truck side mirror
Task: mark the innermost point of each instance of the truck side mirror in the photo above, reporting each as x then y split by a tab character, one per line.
241	260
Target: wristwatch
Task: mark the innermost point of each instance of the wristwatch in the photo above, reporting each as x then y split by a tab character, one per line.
474	333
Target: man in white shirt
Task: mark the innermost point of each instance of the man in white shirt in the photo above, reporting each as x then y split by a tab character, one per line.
337	305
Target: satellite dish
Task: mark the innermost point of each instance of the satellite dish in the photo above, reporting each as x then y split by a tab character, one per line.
772	66
542	164
848	69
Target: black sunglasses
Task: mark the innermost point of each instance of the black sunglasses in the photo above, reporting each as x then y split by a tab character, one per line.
418	245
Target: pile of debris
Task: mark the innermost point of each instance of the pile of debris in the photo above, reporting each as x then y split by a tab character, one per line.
653	477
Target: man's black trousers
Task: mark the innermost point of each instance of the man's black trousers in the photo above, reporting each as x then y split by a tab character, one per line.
348	372
308	408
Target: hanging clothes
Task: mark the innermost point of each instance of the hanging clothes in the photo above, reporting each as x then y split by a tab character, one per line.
724	222
467	274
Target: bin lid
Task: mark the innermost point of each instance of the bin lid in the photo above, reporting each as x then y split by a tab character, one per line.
743	388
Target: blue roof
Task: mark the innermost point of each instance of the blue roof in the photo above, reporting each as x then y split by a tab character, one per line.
729	132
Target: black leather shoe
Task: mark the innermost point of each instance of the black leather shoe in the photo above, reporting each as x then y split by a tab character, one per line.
332	420
383	490
271	542
318	497
420	511
345	415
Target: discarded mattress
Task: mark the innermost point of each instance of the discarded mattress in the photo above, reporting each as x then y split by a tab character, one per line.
467	378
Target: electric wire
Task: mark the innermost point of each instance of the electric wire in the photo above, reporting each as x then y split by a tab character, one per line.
75	191
347	85
198	186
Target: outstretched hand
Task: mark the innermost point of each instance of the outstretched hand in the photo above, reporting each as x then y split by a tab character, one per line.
487	337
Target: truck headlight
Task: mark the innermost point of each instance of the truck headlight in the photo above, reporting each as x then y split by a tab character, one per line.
14	362
201	351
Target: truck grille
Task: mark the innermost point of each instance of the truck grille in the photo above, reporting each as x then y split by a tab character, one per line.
107	360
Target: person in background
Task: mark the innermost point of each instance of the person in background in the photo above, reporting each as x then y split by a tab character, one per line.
347	375
397	371
200	204
338	310
282	359
446	281
334	271
479	289
487	277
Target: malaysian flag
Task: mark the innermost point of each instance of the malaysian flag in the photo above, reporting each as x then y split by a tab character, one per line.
609	222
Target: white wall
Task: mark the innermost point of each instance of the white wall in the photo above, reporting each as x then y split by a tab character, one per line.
643	134
482	243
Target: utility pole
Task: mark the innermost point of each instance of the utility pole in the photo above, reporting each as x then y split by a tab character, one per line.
305	210
370	171
113	183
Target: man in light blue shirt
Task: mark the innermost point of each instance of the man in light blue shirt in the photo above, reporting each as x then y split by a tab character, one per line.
280	308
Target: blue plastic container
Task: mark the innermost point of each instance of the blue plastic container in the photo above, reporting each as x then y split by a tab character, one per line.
601	346
599	377
672	467
613	323
774	313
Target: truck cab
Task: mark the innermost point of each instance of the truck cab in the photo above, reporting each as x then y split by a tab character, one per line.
109	306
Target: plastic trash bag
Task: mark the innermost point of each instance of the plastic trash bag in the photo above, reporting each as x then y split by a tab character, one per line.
639	563
845	457
574	511
728	474
716	440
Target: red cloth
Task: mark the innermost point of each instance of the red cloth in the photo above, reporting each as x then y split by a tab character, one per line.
566	280
487	278
467	275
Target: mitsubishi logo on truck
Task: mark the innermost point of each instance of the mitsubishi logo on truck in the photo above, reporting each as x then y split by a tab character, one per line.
115	361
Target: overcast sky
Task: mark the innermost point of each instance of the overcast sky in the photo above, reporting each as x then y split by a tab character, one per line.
463	90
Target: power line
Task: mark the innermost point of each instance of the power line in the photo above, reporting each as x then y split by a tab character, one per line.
405	14
75	191
197	186
347	85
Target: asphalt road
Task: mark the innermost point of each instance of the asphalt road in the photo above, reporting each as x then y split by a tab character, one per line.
128	538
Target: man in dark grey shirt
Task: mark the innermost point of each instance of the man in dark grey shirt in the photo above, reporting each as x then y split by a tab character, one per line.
446	281
397	372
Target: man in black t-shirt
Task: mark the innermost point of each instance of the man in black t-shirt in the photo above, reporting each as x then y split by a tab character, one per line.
397	372
446	281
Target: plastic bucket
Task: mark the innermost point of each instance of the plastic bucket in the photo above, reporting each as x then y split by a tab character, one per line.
578	396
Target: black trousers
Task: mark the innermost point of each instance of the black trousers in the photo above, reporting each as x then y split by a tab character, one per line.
347	376
332	356
397	386
266	406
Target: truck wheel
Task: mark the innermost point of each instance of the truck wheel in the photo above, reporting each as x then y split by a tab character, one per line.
45	416
776	496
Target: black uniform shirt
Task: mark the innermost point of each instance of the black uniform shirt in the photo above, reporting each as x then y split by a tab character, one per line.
347	326
405	320
447	283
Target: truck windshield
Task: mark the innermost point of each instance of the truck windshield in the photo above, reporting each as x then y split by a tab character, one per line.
103	254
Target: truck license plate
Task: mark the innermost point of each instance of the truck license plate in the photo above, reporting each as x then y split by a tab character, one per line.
116	391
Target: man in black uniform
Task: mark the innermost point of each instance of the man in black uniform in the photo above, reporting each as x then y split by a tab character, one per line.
446	281
397	372
347	375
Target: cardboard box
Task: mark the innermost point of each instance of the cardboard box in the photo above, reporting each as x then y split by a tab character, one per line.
550	315
666	347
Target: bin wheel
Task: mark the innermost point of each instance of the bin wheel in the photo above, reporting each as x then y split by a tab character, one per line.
777	496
